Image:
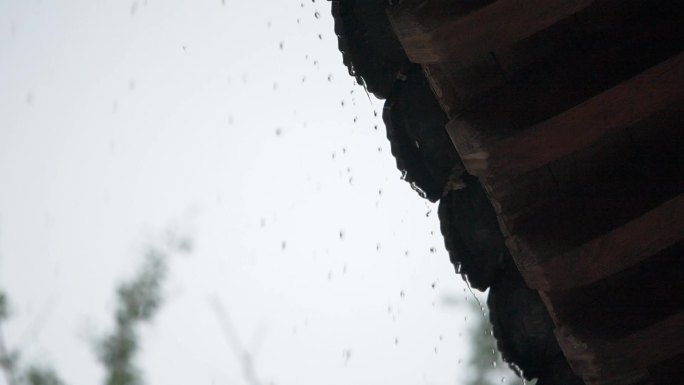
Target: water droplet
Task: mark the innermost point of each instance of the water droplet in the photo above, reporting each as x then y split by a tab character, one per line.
406	253
282	45
433	249
402	294
333	155
283	245
427	214
375	113
351	180
415	188
503	379
377	247
380	192
320	36
330	77
379	149
396	340
317	15
278	131
262	222
356	118
433	286
341	234
344	150
494	364
342	103
375	127
417	144
346	354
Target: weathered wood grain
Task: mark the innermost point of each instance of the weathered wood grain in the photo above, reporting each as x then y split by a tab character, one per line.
496	25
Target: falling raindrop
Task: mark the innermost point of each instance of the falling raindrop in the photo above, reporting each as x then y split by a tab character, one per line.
333	155
433	249
396	340
375	113
278	131
330	77
344	150
317	15
375	127
281	45
341	234
402	294
379	149
342	103
351	180
427	214
320	36
433	286
356	118
283	245
377	247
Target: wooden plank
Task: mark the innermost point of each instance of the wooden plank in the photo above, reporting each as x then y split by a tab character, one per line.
614	251
577	128
626	360
481	31
655	343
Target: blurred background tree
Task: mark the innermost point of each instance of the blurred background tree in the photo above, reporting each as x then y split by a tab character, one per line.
137	301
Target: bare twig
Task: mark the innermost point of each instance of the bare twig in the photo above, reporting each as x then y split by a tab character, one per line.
234	343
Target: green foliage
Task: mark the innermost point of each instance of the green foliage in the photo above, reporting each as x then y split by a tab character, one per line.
3	306
137	301
41	376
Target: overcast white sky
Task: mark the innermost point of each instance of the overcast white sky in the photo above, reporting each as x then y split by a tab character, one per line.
237	123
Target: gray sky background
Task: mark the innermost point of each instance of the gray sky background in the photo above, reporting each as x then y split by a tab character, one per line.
235	123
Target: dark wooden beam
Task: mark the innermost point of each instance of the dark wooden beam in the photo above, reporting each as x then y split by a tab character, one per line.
479	32
614	110
610	253
624	361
